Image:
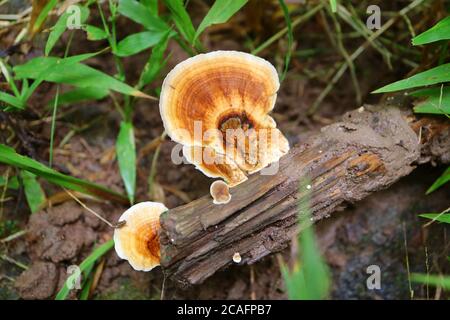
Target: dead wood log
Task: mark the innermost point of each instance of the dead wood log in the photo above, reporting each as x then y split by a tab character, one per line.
370	149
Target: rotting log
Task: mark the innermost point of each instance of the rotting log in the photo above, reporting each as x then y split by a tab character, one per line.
367	151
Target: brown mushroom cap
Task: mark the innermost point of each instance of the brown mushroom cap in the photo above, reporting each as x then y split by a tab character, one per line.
206	96
220	192
138	240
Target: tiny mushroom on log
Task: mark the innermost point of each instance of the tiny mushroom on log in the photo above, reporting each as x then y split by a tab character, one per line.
220	192
138	240
216	105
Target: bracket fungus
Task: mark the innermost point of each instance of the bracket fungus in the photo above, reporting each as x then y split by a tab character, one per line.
138	240
220	192
216	105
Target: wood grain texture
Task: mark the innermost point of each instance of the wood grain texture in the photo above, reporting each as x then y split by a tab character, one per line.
368	150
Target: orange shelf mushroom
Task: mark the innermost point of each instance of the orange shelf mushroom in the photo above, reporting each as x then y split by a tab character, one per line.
217	104
138	240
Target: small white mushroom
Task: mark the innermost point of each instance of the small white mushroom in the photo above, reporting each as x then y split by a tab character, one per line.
237	257
220	192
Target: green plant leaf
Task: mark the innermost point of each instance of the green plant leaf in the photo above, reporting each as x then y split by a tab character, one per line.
434	280
181	19
434	103
61	26
85	268
33	191
433	76
9	156
95	33
155	63
441	217
440	31
152	4
142	14
13	183
443	179
333	5
287	18
138	42
220	12
11	100
126	156
80	95
70	71
43	15
310	279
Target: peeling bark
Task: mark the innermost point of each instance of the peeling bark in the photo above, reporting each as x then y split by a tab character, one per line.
367	151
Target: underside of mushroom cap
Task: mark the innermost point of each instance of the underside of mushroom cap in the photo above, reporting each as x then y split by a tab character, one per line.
214	165
138	240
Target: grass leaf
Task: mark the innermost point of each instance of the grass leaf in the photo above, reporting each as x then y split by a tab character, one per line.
333	5
40	13
95	33
443	179
13	183
85	267
61	26
287	18
440	31
80	95
310	279
138	42
434	103
70	71
441	217
181	19
11	100
142	14
220	12
433	280
33	191
126	156
9	156
155	63
433	76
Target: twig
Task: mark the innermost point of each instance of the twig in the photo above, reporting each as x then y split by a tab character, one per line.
118	225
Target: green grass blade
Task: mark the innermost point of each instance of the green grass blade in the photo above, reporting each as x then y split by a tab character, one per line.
138	42
441	217
61	26
433	76
11	100
126	156
440	31
155	63
70	71
80	95
310	279
287	18
181	19
95	33
33	191
443	179
435	102
333	5
13	183
9	156
85	266
433	280
220	12
43	15
142	14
